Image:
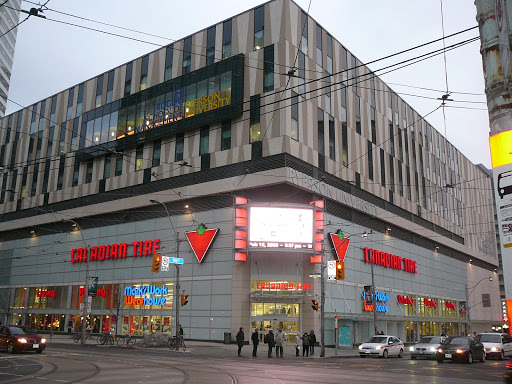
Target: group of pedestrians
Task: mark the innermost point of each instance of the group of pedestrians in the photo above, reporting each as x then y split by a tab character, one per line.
277	341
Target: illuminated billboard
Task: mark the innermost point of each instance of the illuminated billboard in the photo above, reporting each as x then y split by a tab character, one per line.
281	228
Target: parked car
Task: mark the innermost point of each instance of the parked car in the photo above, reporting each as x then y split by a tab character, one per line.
382	346
496	345
17	338
461	348
426	347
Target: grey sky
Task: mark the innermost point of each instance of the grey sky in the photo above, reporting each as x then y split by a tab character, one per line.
51	57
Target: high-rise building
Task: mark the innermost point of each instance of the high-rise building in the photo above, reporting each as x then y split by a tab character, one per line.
9	18
248	151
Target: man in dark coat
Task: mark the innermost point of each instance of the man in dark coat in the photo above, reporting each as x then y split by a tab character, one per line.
240	340
312	342
255	341
270	342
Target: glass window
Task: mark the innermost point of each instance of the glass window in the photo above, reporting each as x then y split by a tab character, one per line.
169	54
358	113
76	173
400	178
204	138
80	99
107	164
210	45
332	139
33	119
119	164
46	177
259	23
392	138
113	126
128	79
35	174
301	60
226	135
382	168
255	112
370	160
327	93
391	173
88	171
130	120
344	138
42	119
321	131
62	139
69	111
226	38
354	74
373	125
99	90
180	145
319	45
144	73
295	116
110	86
187	55
304	33
60	176
53	108
139	153
268	68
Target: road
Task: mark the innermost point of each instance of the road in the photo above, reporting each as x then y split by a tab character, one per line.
62	364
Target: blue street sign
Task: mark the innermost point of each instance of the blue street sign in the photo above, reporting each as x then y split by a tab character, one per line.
175	260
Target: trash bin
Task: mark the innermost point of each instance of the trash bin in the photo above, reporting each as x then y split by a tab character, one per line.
227	337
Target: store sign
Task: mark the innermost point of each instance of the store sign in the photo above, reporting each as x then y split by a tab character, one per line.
284	286
449	305
200	240
430	303
130	292
45	293
379	298
102	292
405	300
115	251
389	260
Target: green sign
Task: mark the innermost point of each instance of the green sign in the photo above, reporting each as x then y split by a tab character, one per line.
92	286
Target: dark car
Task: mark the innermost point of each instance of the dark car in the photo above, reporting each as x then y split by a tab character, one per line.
461	348
17	338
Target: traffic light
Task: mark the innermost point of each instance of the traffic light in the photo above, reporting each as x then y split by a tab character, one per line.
157	260
184	300
315	305
340	270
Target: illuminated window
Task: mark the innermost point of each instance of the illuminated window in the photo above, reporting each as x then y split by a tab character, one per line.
344	138
259	25
139	152
255	112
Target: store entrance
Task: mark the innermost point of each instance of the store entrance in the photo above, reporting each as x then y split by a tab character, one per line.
266	316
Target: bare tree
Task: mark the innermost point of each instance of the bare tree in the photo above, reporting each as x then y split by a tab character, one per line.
117	304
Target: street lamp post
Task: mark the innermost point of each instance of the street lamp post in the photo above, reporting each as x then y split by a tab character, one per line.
177	288
468	307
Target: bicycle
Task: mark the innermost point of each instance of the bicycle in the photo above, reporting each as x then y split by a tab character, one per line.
171	343
105	338
77	336
128	340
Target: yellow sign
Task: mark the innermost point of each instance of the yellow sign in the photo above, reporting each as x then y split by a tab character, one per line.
501	148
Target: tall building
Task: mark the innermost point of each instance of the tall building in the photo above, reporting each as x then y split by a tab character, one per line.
256	150
9	18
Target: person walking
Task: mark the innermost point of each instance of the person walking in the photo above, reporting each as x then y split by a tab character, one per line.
240	340
269	339
297	344
312	342
279	341
305	344
255	341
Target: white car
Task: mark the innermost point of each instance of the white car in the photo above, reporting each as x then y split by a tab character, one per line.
382	346
496	344
426	347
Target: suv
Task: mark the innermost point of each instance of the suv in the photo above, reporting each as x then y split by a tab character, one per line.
496	344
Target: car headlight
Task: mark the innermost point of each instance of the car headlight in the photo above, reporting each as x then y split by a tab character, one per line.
459	351
22	341
494	349
43	341
440	350
411	349
432	349
378	347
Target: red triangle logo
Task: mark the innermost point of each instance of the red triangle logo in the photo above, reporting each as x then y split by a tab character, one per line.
201	243
340	246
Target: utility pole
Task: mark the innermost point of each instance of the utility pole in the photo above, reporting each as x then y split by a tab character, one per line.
467	310
373	298
322	305
177	292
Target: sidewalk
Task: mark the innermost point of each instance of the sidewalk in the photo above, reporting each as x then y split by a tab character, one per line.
212	349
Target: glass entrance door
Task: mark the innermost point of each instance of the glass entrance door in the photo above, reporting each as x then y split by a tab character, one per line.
265	316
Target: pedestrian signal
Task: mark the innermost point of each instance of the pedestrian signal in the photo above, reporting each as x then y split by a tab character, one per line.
315	305
157	260
340	270
184	300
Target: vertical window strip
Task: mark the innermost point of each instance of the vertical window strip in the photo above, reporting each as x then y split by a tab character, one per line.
157	149
180	144
144	68
255	115
357	100
204	139
60	176
79	101
321	131
259	26
319	45
76	173
35	174
210	45
382	168
295	116
304	33
187	55
301	60
332	139
268	68
99	90
226	135
24	182
119	164
128	79
89	171
42	119
46	176
344	138
391	173
53	108
107	166
226	38
139	157
169	56
110	86
370	160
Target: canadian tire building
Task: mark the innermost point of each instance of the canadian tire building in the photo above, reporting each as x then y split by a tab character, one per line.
245	149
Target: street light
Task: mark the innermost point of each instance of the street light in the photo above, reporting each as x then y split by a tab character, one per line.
468	294
177	288
85	300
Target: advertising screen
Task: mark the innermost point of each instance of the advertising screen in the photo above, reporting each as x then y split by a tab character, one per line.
281	228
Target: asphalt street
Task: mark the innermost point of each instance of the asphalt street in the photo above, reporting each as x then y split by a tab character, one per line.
73	363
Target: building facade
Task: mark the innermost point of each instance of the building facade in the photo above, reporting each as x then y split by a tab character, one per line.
10	14
264	127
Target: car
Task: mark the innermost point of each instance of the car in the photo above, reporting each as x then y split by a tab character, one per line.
498	345
461	348
426	347
17	338
382	346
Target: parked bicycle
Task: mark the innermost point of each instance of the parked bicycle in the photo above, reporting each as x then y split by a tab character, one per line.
128	340
171	343
106	338
77	336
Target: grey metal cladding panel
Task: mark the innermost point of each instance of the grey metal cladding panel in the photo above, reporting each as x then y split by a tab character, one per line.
6	266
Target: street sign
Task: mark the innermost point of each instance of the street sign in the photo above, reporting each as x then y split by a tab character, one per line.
331	270
92	286
164	266
175	260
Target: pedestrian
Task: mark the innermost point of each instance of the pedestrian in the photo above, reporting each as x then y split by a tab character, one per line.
297	344
269	340
305	344
279	341
312	342
240	340
70	325
255	341
180	331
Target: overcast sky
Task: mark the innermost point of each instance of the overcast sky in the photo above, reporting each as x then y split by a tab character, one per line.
51	56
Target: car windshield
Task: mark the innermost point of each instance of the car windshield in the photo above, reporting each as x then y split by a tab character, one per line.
430	340
457	340
21	331
489	338
377	339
